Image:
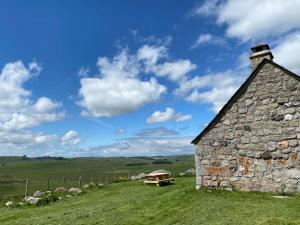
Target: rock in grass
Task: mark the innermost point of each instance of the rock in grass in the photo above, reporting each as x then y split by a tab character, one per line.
86	186
138	177
37	194
75	190
32	200
9	203
92	184
190	171
61	190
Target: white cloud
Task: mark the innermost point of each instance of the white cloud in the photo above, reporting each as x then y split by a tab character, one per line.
249	19
168	115
84	71
175	71
19	142
150	55
28	120
208	8
44	104
156	132
70	138
17	111
180	117
209	89
287	52
120	87
144	146
108	96
205	39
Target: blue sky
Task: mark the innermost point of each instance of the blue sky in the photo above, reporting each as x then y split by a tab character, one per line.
124	78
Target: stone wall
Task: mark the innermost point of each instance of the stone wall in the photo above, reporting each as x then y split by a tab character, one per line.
255	144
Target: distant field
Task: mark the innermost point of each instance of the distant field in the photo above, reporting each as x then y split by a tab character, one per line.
14	170
131	203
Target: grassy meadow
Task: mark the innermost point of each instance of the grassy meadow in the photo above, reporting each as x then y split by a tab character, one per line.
134	204
14	170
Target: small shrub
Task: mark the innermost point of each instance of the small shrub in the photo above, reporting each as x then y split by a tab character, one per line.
136	164
161	162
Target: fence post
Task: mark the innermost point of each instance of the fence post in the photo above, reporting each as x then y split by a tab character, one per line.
48	182
26	187
79	182
91	180
65	182
106	180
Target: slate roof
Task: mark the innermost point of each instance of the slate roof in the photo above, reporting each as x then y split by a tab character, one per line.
238	93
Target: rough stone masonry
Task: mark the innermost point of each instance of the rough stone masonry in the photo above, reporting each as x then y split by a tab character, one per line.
253	143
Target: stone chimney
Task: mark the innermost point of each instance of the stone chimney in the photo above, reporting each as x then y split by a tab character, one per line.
260	52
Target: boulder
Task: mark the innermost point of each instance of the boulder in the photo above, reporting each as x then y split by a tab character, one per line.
61	190
138	177
85	186
37	194
31	200
92	184
190	171
8	204
75	190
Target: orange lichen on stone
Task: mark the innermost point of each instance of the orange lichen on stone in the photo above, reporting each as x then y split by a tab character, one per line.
244	161
281	161
293	156
218	171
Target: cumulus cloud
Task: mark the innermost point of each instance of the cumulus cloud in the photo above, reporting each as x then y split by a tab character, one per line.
287	52
17	110
167	115
175	71
150	55
70	138
248	19
205	39
120	88
45	104
209	89
19	113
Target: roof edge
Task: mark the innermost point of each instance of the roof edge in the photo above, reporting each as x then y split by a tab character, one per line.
251	76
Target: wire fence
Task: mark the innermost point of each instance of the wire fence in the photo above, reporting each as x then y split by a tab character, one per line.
27	186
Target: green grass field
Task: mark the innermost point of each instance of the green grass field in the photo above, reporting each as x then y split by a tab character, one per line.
134	204
38	170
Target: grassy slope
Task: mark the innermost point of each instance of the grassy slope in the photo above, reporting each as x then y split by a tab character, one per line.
39	170
132	203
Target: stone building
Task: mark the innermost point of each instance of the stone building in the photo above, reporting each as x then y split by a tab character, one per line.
253	142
